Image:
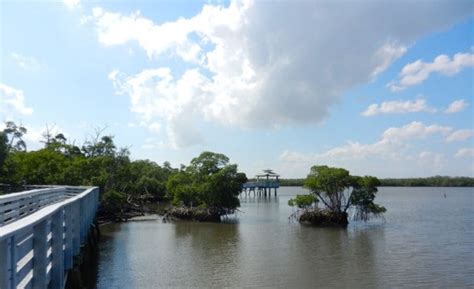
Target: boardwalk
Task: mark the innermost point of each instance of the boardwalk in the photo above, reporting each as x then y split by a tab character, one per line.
41	231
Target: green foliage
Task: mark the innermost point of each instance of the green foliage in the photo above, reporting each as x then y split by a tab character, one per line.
209	181
303	201
292	182
329	185
37	167
14	134
435	181
98	162
114	200
3	149
329	180
208	163
339	191
363	196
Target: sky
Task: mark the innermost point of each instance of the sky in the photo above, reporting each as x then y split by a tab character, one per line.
383	88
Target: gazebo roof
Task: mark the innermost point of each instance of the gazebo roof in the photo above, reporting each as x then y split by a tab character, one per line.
268	173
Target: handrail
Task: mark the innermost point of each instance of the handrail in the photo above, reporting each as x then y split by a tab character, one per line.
18	205
37	248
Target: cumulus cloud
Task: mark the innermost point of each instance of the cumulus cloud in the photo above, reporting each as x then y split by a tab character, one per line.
12	101
157	98
415	130
460	135
398	106
393	154
391	141
416	72
465	152
456	106
386	55
259	64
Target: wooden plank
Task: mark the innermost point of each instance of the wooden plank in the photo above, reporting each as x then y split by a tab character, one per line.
40	248
57	261
5	261
25	269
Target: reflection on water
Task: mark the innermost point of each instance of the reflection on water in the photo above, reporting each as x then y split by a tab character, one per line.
423	243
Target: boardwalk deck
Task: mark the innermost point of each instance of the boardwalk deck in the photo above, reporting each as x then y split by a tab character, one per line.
260	187
40	232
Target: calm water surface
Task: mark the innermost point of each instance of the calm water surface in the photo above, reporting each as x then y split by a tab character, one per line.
426	241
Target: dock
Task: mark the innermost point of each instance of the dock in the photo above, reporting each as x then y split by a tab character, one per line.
262	185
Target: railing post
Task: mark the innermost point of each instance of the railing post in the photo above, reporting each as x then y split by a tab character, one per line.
57	269
6	270
76	243
69	229
80	216
40	249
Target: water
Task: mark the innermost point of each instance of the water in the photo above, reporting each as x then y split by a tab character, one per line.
426	241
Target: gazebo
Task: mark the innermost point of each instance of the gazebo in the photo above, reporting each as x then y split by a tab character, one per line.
264	183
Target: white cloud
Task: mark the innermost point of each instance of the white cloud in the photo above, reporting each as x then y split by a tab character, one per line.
12	101
71	4
465	152
387	54
415	130
394	154
398	106
392	140
259	64
155	95
456	106
25	62
460	135
416	72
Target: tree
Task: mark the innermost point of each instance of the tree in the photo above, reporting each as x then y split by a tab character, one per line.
3	149
15	134
303	201
209	183
339	192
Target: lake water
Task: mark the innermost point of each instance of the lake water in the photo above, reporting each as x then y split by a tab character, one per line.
426	241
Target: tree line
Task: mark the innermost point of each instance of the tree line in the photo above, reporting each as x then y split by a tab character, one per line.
96	162
209	182
435	181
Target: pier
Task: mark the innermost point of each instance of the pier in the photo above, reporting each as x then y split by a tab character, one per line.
41	231
262	185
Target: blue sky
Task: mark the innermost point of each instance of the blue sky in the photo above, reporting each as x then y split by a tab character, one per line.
379	88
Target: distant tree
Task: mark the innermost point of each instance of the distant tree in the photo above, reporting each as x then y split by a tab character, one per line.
209	182
15	134
338	191
3	149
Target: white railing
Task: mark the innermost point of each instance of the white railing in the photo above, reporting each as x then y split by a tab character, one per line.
40	233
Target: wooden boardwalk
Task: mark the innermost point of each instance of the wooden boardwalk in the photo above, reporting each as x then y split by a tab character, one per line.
41	231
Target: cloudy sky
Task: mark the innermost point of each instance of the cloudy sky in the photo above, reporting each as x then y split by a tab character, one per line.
380	87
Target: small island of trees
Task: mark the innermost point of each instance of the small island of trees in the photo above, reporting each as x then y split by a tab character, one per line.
205	190
338	192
